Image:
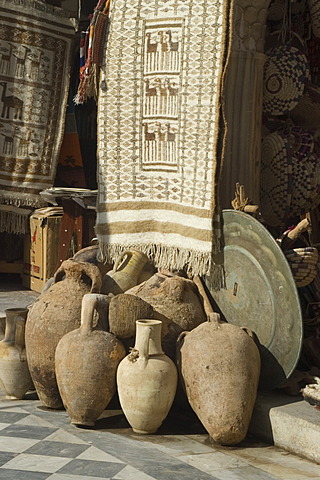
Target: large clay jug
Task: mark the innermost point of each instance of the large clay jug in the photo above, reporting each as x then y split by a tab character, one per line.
125	273
56	312
147	380
176	302
219	365
86	362
15	378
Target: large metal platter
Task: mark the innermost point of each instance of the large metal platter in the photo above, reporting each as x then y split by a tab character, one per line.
260	293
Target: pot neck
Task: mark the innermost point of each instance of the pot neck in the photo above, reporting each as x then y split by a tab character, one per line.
12	315
148	337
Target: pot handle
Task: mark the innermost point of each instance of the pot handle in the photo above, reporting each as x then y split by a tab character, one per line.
90	303
120	259
72	268
214	319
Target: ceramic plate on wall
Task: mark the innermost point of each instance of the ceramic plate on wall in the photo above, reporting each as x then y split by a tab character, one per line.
260	293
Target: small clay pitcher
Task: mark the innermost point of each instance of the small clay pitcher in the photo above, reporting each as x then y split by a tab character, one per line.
15	377
147	380
125	273
56	312
219	365
86	361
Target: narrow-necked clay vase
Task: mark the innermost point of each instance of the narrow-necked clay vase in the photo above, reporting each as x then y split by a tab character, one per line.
86	362
15	378
219	364
56	312
125	273
147	380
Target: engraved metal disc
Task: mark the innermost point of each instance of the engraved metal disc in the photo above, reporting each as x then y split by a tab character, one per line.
260	293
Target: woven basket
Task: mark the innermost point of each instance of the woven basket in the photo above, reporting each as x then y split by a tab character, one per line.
304	264
285	75
276	179
276	11
307	112
314	10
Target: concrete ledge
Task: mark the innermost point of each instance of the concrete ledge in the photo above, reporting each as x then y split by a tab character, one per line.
289	423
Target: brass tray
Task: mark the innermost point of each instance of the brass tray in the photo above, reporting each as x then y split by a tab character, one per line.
260	293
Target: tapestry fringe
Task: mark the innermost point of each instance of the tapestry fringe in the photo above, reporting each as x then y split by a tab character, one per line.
162	256
12	222
44	7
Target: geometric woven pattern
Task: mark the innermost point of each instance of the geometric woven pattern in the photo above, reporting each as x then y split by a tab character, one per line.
158	126
290	175
276	179
35	47
285	74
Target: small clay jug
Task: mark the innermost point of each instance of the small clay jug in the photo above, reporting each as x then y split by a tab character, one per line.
219	365
86	361
147	380
15	377
125	273
56	312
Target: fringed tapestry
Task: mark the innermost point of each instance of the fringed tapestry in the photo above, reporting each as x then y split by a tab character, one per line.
158	127
35	47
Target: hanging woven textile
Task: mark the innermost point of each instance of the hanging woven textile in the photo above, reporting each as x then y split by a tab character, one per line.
91	53
158	127
35	47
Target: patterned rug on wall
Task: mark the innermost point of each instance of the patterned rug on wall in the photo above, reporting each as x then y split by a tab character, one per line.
158	126
35	46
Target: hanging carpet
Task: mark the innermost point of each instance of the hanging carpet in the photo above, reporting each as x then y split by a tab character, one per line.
35	46
158	126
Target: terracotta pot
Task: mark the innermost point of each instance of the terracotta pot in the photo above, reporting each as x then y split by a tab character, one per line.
125	273
219	365
55	313
147	380
175	302
15	378
86	361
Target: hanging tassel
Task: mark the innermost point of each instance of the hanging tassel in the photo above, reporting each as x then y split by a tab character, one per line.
92	53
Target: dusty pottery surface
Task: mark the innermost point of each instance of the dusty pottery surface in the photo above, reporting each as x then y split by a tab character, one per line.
147	380
125	273
56	312
124	311
15	379
86	361
91	255
175	302
219	365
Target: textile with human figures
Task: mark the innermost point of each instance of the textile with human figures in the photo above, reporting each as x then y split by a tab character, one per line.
35	47
158	126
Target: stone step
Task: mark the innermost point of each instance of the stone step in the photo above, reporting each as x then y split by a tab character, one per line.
288	422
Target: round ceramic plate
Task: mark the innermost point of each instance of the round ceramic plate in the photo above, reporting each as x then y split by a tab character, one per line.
260	293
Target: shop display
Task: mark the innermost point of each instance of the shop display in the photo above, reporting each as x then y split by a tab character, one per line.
55	313
86	361
125	272
15	379
260	293
34	69
158	142
147	380
219	364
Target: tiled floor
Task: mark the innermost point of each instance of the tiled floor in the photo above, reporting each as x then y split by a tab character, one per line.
38	444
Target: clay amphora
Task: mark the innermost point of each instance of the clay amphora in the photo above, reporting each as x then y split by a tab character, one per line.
125	273
147	380
219	365
56	312
86	362
175	302
15	378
